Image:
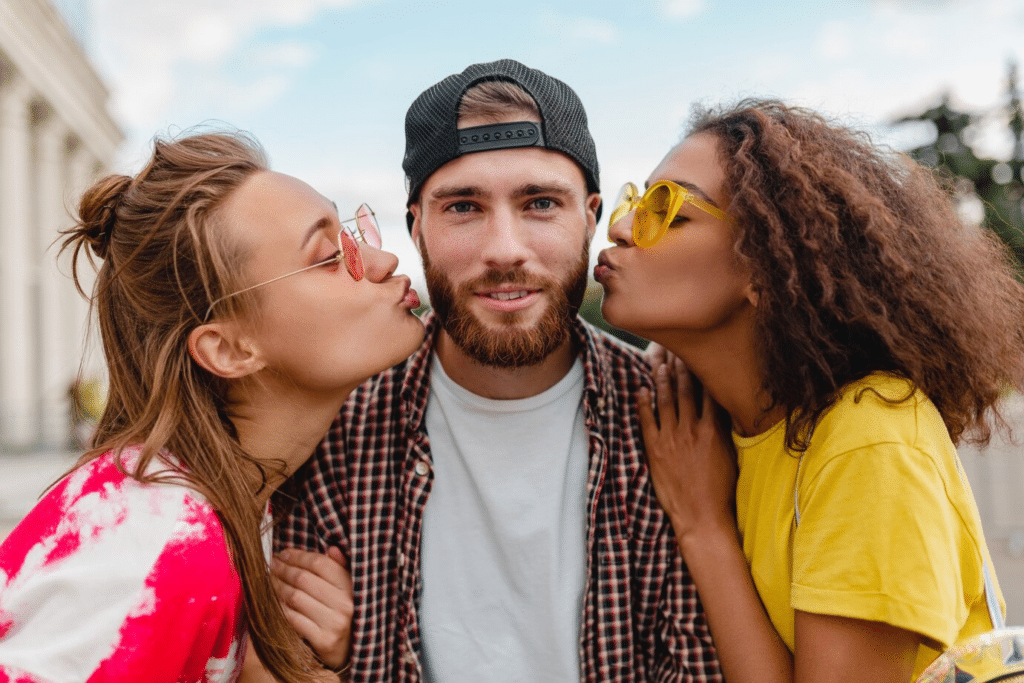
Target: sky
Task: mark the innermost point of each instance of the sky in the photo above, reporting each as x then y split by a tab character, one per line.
325	84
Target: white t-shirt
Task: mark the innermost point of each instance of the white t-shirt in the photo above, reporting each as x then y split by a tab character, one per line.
503	548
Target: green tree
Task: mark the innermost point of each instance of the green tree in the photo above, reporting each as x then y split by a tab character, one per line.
999	184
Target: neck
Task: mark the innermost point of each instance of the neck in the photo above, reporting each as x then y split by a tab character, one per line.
727	364
503	383
282	427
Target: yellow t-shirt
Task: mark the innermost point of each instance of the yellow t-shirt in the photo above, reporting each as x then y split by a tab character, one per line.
888	530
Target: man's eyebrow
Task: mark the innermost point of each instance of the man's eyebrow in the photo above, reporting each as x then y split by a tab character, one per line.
692	188
534	189
450	191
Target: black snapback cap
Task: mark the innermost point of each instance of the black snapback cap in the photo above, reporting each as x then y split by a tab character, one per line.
433	138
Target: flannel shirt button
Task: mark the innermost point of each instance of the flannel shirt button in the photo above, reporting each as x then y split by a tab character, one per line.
422	468
401	559
600	404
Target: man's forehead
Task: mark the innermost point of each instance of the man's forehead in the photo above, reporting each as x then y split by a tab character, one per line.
513	172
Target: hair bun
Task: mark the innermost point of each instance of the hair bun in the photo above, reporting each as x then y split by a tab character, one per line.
98	211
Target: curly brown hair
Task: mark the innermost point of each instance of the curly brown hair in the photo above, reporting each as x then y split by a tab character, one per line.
862	264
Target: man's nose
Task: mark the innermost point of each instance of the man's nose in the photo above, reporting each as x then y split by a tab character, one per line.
507	244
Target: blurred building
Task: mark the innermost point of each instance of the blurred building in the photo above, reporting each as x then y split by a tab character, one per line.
56	135
996	474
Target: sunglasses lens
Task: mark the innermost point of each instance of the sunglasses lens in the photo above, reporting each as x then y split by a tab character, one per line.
350	254
652	217
367	224
623	203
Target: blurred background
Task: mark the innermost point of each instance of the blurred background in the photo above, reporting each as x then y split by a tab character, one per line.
324	84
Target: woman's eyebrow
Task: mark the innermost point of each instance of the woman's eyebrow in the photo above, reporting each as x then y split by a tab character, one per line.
314	229
692	188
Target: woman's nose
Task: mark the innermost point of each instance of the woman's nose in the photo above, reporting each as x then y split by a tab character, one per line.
378	265
620	232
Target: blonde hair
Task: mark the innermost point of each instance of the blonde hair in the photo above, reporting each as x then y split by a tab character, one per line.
164	257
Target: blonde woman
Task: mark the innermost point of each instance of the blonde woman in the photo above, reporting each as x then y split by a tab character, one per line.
237	309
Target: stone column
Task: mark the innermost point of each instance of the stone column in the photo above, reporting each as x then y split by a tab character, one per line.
56	367
18	430
85	346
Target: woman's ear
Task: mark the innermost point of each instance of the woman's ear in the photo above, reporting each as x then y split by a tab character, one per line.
752	295
220	349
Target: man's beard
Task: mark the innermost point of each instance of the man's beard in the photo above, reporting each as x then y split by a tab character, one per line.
511	345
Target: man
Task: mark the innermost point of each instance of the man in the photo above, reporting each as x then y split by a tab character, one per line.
491	493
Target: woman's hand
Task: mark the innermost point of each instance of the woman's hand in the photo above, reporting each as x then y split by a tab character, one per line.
316	592
691	459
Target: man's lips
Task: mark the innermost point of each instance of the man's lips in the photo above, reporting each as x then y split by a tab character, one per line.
507	298
507	294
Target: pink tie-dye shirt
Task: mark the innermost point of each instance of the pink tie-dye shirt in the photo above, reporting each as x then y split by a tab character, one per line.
108	580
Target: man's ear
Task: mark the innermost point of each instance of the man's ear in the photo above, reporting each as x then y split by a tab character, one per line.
220	349
414	230
592	202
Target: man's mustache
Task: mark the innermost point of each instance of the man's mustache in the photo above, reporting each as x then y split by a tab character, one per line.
517	276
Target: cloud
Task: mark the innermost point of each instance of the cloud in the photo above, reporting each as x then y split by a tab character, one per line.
153	53
208	38
682	9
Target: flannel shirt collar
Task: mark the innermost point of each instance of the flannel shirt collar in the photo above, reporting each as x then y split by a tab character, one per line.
416	383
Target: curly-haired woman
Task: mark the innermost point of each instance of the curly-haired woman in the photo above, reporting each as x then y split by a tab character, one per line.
237	311
828	304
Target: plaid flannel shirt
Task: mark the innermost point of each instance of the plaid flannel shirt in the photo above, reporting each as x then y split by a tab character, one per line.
365	491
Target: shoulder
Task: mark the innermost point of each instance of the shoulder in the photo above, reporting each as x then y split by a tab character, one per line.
880	409
378	387
123	552
109	518
609	346
98	506
612	358
883	435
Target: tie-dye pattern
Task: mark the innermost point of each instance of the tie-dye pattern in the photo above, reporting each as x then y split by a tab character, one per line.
107	579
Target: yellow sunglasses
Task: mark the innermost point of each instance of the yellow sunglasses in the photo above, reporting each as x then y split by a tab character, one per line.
656	209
